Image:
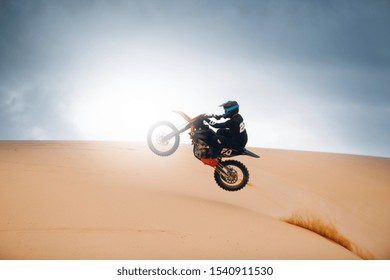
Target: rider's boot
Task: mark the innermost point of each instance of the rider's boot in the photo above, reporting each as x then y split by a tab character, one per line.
215	151
215	147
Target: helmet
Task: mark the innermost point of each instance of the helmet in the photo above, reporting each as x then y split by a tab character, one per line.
231	108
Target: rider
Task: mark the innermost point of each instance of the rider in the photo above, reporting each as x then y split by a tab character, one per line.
231	133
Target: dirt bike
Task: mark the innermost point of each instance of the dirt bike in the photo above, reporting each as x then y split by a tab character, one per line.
164	138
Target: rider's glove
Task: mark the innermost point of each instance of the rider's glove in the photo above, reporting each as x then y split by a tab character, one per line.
217	117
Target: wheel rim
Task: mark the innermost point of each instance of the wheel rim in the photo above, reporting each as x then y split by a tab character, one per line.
159	141
234	178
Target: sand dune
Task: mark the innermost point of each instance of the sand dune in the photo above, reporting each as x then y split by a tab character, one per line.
108	200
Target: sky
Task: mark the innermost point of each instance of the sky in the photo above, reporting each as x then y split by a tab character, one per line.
308	75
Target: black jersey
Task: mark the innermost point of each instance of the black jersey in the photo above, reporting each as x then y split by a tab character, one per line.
235	129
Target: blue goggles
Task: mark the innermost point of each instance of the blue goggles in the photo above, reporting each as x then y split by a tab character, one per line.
227	110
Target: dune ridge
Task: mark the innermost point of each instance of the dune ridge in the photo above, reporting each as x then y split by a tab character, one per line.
116	200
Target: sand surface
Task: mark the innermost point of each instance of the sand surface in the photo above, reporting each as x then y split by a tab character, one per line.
113	200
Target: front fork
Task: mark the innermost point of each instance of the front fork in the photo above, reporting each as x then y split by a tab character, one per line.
221	169
216	164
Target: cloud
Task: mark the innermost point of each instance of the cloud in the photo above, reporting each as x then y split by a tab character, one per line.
34	112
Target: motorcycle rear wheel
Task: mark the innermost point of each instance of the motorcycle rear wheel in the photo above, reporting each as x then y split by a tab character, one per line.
236	177
156	141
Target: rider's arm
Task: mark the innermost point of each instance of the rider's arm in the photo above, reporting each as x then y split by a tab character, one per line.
221	125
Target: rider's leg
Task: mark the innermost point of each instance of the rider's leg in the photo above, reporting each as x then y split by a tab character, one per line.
216	144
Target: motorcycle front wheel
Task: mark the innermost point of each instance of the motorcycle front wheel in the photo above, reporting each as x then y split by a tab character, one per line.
231	175
157	141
